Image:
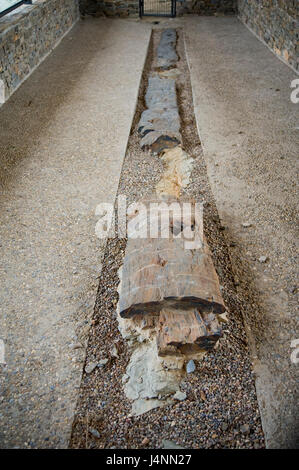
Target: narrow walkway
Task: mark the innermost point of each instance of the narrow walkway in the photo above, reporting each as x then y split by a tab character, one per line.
249	131
63	139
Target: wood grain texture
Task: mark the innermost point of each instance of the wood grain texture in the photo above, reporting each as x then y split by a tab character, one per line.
161	272
186	332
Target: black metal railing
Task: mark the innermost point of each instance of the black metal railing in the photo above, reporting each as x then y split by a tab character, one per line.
157	8
13	6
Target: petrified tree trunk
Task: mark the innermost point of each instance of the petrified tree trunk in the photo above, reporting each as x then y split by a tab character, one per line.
159	126
161	273
186	332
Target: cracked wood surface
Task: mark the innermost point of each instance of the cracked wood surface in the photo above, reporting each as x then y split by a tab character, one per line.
186	332
161	272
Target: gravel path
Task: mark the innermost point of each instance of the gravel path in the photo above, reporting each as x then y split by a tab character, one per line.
220	410
249	129
59	159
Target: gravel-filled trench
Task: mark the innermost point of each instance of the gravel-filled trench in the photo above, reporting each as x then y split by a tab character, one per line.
221	408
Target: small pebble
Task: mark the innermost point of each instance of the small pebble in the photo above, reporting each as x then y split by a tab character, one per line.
190	367
166	444
95	433
125	378
222	317
114	352
181	396
145	442
245	429
90	367
76	346
103	362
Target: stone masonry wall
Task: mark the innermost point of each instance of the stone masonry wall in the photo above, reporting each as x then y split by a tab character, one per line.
131	7
207	7
121	8
275	22
27	35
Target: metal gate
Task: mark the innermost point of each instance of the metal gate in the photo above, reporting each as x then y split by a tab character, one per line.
157	8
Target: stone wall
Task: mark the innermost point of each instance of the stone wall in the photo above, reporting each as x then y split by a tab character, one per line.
121	8
131	8
274	22
27	35
207	7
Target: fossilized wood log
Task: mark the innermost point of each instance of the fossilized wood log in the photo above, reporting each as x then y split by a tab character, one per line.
161	273
159	119
160	94
159	125
177	171
186	332
157	141
166	53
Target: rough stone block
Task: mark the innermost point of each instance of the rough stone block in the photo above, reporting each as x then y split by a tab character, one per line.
159	125
166	53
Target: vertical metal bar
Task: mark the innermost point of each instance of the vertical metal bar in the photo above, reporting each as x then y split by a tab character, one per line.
157	8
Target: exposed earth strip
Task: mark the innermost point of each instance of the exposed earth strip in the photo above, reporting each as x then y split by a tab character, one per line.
217	406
